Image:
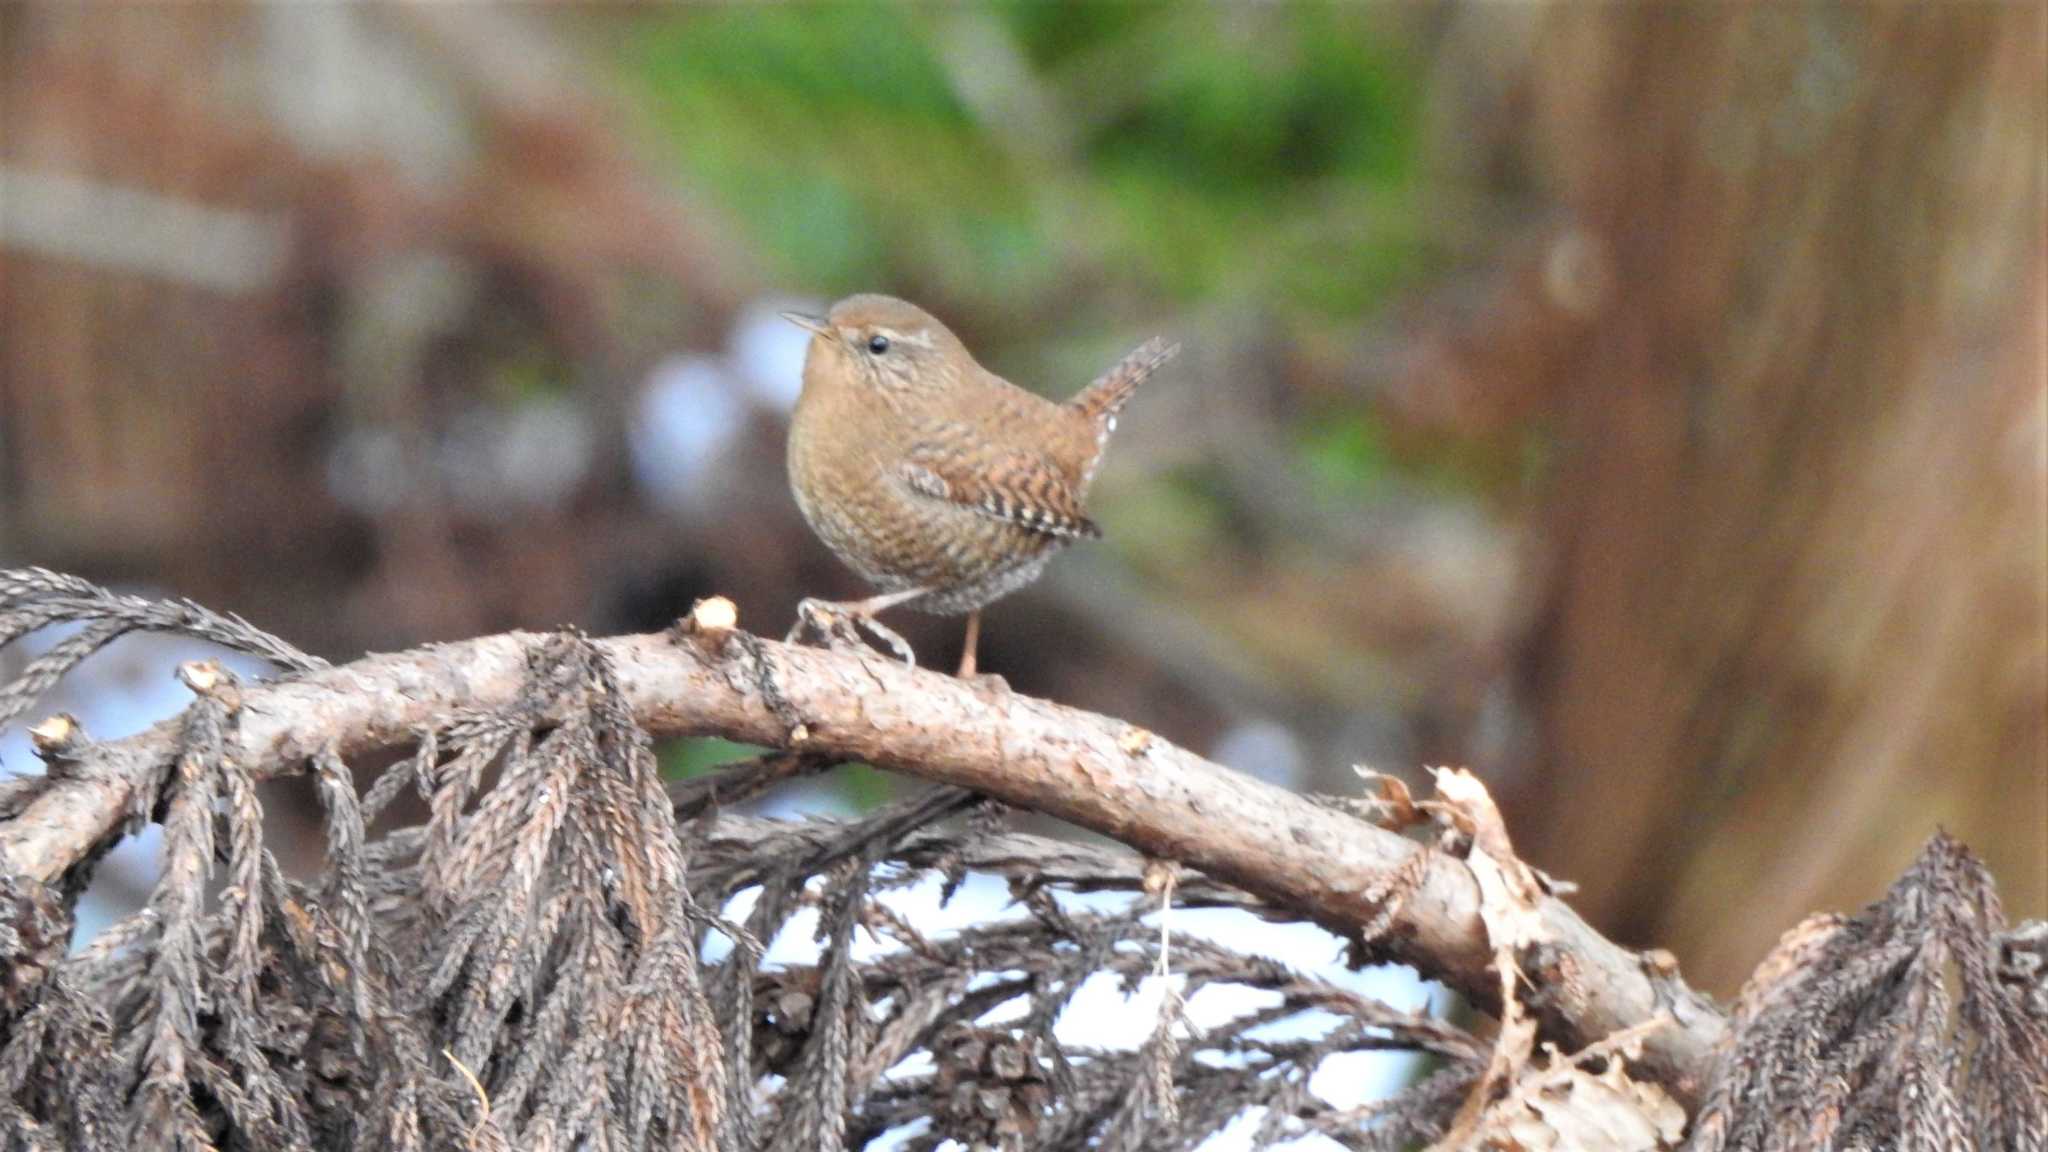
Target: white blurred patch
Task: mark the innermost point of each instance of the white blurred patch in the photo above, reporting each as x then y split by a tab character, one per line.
342	83
688	411
768	352
1313	1142
493	463
499	462
366	471
1263	749
692	407
896	1138
135	230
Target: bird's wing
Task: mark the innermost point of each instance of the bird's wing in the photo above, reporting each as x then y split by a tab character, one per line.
1021	488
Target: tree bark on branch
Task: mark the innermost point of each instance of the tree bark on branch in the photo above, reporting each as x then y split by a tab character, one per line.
1422	905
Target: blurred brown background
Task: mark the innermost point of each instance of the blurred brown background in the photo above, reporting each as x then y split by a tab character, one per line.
1643	406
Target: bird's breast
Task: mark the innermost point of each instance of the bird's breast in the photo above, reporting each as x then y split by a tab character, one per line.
851	489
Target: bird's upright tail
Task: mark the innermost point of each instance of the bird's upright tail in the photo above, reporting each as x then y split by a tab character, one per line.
1101	401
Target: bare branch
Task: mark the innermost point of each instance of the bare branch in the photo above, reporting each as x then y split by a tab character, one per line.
1076	765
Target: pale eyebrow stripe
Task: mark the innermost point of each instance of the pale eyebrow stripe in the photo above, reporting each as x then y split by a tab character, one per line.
922	337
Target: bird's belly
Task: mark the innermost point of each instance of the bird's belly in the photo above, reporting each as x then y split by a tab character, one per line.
996	582
901	540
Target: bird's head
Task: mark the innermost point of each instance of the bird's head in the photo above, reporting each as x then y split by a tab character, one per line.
879	342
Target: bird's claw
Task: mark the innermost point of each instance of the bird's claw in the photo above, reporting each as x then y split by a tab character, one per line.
833	626
824	624
897	645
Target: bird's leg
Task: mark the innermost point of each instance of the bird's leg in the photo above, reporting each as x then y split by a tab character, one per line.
836	623
967	650
967	656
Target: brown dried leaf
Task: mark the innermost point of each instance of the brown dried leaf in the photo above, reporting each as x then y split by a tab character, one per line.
1393	804
1562	1106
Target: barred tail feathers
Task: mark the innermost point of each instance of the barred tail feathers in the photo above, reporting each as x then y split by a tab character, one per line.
1101	401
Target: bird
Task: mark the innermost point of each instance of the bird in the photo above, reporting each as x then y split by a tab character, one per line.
939	482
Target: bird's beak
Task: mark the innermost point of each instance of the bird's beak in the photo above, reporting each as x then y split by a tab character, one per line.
814	324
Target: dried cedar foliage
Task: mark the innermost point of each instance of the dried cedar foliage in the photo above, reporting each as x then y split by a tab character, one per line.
1920	1023
522	967
33	598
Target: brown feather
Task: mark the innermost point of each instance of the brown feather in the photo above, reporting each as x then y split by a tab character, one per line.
1023	488
1102	400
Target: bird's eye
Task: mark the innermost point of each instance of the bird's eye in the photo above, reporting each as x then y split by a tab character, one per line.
878	344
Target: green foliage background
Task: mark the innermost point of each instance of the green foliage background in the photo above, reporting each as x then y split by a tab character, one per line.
1187	151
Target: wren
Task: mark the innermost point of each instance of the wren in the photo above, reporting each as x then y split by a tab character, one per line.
939	482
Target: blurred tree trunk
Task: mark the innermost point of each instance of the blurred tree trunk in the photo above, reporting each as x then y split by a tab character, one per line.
1795	604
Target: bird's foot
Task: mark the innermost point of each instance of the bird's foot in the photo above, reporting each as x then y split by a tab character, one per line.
989	681
826	624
